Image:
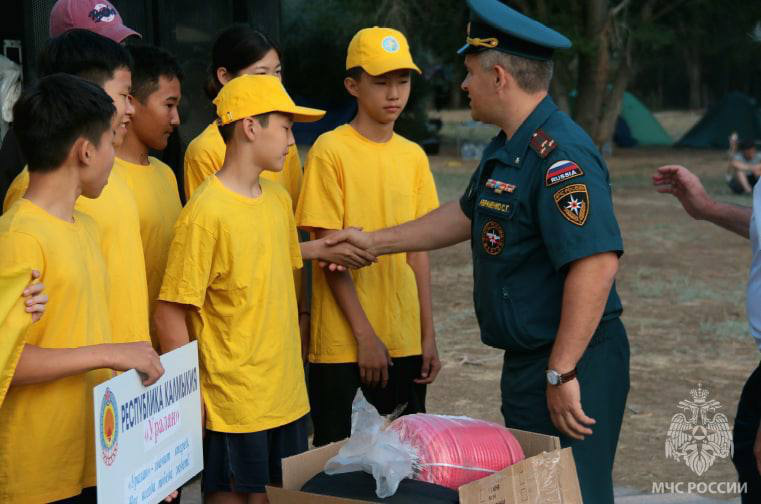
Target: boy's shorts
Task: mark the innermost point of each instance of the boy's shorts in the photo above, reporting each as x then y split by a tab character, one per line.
247	462
89	495
332	388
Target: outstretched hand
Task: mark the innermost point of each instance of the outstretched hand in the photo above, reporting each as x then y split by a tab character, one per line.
347	248
353	235
686	187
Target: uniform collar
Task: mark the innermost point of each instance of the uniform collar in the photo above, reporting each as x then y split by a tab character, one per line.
512	152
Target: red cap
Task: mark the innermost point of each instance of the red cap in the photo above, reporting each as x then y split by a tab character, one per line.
97	16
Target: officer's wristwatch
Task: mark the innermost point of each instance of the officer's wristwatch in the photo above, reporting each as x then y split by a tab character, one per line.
555	378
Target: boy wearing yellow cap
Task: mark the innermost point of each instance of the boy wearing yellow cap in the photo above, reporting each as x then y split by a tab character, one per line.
230	273
372	328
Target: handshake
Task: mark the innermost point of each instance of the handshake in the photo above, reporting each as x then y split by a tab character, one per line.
349	248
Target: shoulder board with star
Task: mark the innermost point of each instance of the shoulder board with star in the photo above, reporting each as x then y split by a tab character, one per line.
542	143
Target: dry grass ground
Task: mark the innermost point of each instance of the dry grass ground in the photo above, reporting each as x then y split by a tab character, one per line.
682	283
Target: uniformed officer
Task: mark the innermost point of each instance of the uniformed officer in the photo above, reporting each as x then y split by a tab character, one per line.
545	246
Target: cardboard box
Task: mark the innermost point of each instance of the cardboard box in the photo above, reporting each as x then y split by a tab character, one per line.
546	476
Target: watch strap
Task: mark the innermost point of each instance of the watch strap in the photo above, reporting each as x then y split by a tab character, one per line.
565	378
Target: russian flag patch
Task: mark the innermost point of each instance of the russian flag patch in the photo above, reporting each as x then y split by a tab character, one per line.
562	171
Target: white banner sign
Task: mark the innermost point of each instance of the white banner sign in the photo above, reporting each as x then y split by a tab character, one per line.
148	439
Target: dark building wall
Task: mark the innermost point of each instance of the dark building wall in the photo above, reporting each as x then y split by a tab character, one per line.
187	28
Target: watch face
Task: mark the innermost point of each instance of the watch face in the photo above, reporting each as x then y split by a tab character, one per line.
553	377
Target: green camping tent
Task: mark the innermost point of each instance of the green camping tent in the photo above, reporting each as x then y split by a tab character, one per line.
643	125
636	125
735	112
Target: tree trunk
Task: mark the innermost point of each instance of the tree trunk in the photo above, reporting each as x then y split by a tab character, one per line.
560	95
593	68
694	74
612	108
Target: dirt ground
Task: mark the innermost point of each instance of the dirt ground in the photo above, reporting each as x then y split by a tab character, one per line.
682	283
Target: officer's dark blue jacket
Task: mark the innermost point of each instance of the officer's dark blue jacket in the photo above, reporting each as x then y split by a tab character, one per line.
537	203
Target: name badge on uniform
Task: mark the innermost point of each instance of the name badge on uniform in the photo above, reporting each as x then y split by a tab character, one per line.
497	206
499	187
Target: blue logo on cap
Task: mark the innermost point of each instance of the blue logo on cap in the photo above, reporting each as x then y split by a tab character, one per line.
390	44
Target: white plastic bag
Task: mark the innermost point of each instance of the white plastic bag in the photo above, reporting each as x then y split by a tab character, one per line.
374	450
10	90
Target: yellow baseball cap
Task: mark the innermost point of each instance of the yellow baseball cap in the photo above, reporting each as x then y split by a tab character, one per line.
252	95
379	50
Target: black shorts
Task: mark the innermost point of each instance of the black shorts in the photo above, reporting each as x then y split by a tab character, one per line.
332	388
247	462
89	495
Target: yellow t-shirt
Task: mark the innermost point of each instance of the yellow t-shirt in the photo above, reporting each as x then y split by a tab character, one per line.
14	322
232	258
206	153
47	439
115	213
352	181
158	203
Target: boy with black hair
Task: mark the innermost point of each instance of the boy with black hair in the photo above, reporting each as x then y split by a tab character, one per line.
65	127
107	64
228	284
156	81
371	328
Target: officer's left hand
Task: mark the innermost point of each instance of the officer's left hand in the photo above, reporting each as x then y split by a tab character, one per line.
564	403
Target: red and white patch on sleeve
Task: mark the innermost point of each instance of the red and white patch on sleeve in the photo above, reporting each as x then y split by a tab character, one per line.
562	171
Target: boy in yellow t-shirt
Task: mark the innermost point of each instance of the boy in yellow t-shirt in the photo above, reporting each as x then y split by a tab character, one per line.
243	50
107	64
65	128
229	275
156	80
372	328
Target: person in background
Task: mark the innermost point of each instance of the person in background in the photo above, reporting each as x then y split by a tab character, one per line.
686	187
744	167
97	16
156	93
242	50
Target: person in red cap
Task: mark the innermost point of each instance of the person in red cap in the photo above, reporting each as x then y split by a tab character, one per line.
98	16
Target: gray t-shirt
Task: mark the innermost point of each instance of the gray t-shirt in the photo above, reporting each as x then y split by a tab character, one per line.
753	303
756	159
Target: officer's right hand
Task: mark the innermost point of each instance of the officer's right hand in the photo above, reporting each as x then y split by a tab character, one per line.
686	187
139	356
373	359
